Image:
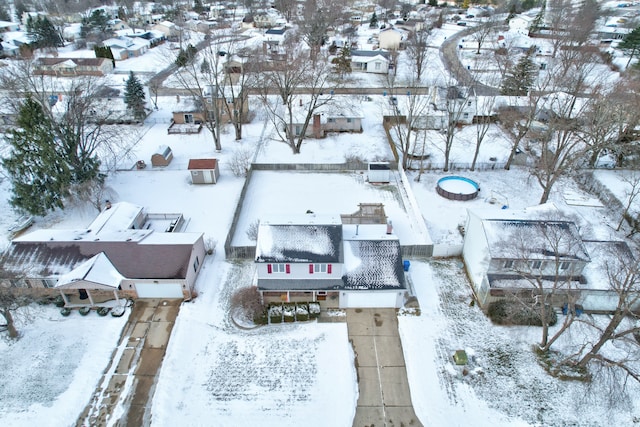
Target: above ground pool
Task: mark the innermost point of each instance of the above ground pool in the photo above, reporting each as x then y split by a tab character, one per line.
457	188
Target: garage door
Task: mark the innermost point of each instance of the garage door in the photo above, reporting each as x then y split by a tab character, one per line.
159	290
368	299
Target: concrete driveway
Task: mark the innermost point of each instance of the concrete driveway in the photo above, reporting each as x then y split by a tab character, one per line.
384	398
130	380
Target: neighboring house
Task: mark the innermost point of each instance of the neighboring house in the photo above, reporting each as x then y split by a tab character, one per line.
410	25
248	22
331	117
168	28
370	61
316	258
6	26
611	32
204	171
234	67
274	38
71	67
391	39
146	249
117	25
264	20
496	259
9	49
521	24
190	121
227	98
124	47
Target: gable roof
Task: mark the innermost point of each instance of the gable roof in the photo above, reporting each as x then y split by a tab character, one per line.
97	270
372	258
202	164
566	242
303	238
370	53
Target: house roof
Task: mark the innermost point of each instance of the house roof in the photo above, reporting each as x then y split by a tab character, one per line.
120	216
202	164
134	259
86	62
370	54
97	270
613	256
276	31
372	258
545	239
301	238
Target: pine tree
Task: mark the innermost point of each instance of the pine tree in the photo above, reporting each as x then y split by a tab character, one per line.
373	23
43	33
631	44
39	175
538	21
519	79
134	96
342	62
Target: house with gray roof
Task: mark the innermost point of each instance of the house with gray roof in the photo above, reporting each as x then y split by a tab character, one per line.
148	250
317	258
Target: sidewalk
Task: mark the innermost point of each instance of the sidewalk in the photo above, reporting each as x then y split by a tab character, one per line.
130	380
384	398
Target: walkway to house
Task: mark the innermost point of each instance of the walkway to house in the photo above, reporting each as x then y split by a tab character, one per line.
384	399
130	379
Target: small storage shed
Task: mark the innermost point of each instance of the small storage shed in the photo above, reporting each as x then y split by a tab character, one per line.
162	157
379	172
204	171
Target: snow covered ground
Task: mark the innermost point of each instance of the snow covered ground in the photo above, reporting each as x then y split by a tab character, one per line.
216	373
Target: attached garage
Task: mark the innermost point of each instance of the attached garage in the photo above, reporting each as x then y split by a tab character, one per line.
159	290
375	299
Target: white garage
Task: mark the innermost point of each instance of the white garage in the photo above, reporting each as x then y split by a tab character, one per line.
371	299
159	290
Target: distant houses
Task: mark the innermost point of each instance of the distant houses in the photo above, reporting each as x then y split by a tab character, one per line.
72	67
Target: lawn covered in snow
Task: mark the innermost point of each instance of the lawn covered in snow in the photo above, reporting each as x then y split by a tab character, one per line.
51	371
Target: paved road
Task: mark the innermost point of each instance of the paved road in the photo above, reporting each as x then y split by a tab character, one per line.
130	379
384	398
451	61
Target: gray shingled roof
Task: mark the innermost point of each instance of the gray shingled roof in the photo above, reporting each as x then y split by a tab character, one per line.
380	265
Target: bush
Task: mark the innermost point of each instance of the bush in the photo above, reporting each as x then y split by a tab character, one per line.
289	312
248	301
302	312
275	313
314	310
505	312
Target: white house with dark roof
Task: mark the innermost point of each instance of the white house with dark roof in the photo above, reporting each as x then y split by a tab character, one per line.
496	259
370	61
316	258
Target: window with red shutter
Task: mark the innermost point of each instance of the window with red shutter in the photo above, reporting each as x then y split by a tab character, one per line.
329	268
269	269
288	268
310	268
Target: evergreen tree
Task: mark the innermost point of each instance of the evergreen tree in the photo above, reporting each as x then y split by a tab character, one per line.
466	4
104	52
433	3
42	33
538	21
342	62
631	44
134	96
373	23
198	7
519	79
39	175
185	56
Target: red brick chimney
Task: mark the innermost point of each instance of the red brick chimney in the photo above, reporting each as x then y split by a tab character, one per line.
317	126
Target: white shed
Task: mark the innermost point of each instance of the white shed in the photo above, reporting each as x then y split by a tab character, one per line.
379	172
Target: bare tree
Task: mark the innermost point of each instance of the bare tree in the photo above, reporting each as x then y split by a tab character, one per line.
546	255
516	119
417	50
317	17
454	103
632	190
301	87
622	272
408	110
11	300
482	32
484	109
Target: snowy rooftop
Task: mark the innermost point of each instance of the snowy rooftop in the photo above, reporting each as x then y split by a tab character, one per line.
97	269
304	238
120	216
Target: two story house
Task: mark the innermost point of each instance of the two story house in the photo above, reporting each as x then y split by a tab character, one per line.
316	258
